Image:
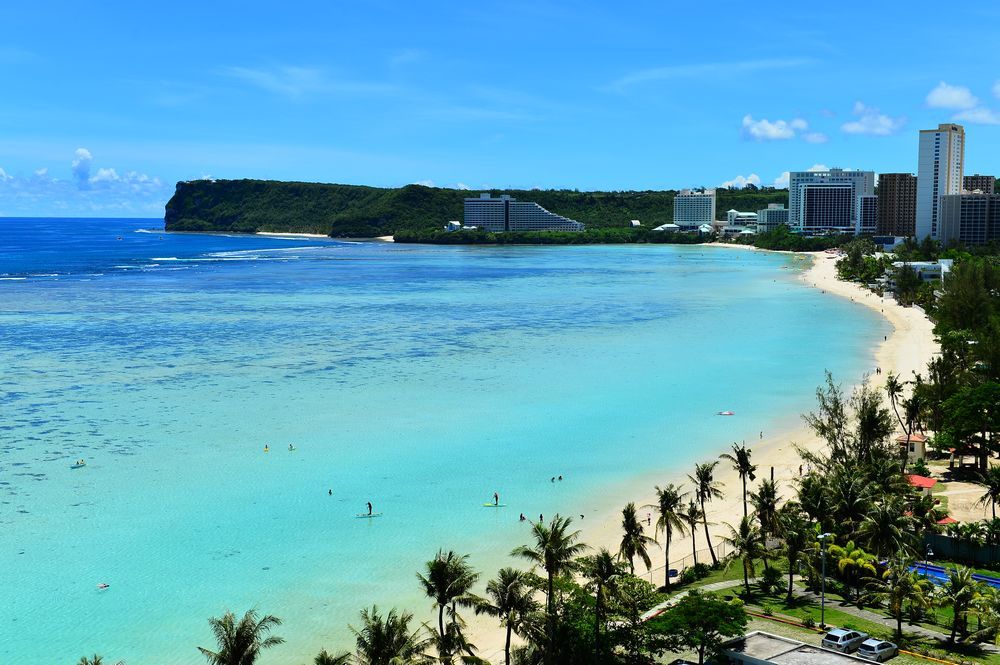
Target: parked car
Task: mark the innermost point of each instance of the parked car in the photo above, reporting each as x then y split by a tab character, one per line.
877	650
844	641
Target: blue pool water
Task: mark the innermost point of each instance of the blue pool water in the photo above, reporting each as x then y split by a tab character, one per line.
939	575
420	378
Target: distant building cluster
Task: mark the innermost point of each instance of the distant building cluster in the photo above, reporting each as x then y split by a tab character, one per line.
505	214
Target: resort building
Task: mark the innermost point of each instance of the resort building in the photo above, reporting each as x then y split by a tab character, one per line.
692	209
897	204
983	184
828	201
506	214
737	218
940	166
915	446
868	221
669	226
971	219
771	217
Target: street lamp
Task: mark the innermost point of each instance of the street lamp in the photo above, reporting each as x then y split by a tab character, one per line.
822	603
928	553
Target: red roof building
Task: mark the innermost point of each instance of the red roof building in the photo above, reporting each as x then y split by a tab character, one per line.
921	482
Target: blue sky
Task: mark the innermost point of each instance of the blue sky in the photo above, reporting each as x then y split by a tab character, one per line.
104	106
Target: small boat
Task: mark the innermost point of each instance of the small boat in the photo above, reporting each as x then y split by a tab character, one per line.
102	585
79	464
725	413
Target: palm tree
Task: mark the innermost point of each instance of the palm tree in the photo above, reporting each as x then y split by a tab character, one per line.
898	588
886	530
326	658
814	497
746	544
740	459
240	642
960	593
765	504
991	481
797	534
555	549
388	640
448	581
602	573
510	598
706	489
634	539
669	502
95	660
856	567
692	515
849	498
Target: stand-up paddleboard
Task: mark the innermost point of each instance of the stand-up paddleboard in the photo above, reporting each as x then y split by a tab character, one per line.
725	413
494	505
365	516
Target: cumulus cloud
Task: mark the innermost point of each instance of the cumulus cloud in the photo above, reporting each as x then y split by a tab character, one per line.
739	182
765	130
4	177
979	115
81	167
42	172
815	137
781	182
946	96
871	122
461	185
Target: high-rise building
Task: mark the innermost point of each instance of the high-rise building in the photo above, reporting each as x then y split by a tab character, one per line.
693	208
827	201
868	220
897	204
508	214
940	166
985	184
972	219
771	217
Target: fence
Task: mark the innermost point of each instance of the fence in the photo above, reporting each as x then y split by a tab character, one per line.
656	575
957	549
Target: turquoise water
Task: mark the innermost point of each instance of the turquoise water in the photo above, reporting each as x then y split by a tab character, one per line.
420	378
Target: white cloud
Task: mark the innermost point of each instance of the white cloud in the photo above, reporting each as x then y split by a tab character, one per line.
296	82
461	185
815	137
781	182
980	115
705	69
871	122
765	130
818	167
739	182
996	89
946	96
42	172
81	167
425	183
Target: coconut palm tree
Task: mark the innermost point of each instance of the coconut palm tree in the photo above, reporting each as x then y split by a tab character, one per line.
765	505
555	550
388	640
602	573
740	459
706	489
849	498
448	581
326	658
798	534
746	543
855	566
991	481
692	515
670	520
634	539
510	598
886	530
240	642
899	588
961	592
95	660
814	497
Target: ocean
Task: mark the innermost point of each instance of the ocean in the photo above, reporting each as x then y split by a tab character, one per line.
419	378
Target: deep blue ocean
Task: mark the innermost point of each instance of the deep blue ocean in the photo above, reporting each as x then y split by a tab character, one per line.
420	378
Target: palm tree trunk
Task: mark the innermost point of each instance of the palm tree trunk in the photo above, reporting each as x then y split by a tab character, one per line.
899	625
791	572
506	648
746	576
704	520
441	622
666	563
744	479
550	622
597	627
694	545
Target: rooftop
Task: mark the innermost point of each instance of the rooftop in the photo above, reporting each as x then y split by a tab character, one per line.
916	437
763	646
923	482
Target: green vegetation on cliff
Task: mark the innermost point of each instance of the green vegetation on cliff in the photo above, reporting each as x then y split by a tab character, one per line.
247	206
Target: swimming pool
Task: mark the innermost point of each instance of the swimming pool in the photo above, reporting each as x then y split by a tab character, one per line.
939	575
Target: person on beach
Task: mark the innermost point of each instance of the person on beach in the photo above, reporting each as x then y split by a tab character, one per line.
496	499
369	507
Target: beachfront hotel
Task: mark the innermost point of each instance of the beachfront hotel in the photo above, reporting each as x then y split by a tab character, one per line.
897	204
984	184
940	166
505	214
828	201
771	217
693	208
972	219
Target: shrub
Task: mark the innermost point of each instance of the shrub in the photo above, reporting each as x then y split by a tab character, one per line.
771	580
767	610
809	622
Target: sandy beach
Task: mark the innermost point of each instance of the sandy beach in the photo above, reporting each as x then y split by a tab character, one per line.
291	235
908	349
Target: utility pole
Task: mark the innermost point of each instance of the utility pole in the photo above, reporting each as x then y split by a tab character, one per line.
822	603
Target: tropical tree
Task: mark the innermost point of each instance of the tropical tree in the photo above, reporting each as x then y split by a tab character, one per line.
814	497
326	658
900	587
961	592
388	640
991	481
95	660
691	516
670	520
854	566
886	530
634	539
510	598
746	543
798	535
240	642
740	459
765	504
850	498
706	489
554	550
701	623
602	573
448	580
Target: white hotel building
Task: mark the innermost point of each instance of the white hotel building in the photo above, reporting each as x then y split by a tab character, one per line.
828	201
940	167
692	209
506	214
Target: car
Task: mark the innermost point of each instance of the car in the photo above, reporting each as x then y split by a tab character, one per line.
877	650
844	641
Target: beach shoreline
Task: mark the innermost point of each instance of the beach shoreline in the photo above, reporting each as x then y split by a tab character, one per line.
906	350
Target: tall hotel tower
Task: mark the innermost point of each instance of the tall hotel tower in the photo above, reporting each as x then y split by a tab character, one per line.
939	173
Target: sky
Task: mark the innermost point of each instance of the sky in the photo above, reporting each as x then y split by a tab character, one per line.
105	106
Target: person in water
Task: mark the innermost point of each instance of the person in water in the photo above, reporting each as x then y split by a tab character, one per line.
291	447
496	499
267	448
560	477
369	507
523	517
330	492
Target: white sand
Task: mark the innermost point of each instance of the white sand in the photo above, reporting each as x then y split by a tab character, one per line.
908	349
290	235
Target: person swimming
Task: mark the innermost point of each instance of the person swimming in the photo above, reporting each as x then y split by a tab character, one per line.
496	499
560	477
291	447
267	448
369	507
330	492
